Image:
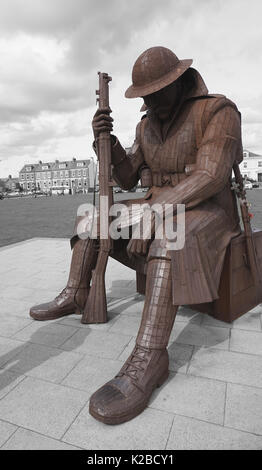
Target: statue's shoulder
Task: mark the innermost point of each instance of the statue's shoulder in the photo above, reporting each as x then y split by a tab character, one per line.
208	105
214	102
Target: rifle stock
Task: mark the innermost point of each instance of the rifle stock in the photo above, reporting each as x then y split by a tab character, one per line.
96	307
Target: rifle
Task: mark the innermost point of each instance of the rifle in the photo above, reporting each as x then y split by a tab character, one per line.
252	255
96	307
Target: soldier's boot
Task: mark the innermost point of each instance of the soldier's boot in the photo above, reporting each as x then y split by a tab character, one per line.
128	394
73	297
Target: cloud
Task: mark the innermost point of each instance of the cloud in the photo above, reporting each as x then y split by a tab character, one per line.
51	51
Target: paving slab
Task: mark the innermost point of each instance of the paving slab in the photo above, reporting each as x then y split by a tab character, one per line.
228	366
51	364
89	433
245	341
75	321
250	321
91	373
15	307
97	343
23	439
9	349
10	324
8	381
6	431
244	408
48	370
186	314
193	434
192	396
46	333
42	406
126	325
200	335
132	304
179	356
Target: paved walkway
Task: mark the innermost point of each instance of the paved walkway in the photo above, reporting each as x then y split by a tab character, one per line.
48	370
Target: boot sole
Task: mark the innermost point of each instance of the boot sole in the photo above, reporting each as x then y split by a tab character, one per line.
49	317
128	416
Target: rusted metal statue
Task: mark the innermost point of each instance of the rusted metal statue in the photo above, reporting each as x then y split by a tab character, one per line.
186	146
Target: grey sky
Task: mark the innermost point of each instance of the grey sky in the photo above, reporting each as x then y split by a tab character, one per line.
51	51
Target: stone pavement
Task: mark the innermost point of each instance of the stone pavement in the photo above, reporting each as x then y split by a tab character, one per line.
48	370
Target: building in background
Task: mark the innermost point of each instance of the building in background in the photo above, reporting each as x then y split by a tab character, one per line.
9	184
69	176
251	166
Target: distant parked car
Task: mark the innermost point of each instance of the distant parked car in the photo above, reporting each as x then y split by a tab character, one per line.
248	185
255	185
117	190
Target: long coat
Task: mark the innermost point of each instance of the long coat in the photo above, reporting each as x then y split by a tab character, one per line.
190	162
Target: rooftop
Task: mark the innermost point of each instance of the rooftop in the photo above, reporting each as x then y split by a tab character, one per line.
55	165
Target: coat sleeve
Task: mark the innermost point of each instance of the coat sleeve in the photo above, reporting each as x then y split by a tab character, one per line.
126	165
220	147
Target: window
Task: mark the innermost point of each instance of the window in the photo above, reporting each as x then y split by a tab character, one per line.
49	174
61	174
245	164
259	163
73	173
55	174
79	172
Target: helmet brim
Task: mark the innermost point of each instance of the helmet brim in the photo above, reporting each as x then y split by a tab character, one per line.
167	79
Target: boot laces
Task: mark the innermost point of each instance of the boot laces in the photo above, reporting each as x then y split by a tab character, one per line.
135	363
64	291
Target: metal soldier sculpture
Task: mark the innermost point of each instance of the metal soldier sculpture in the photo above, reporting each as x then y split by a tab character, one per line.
189	140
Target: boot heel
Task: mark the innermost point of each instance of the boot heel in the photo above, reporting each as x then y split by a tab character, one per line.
162	379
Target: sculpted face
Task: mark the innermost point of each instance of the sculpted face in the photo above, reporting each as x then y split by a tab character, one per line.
163	102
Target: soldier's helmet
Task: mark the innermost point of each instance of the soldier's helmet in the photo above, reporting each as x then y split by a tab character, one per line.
154	69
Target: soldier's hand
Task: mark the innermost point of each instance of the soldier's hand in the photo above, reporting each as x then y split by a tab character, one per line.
102	121
141	238
137	247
